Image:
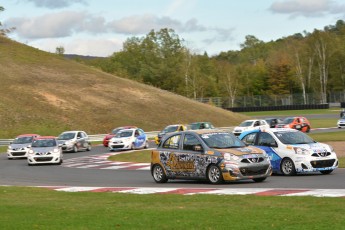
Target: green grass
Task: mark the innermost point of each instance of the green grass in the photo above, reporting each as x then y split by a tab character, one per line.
323	123
143	156
325	137
36	208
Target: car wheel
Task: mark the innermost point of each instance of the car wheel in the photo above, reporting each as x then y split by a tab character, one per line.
288	167
308	129
60	162
10	158
261	179
214	175
159	174
146	144
325	172
75	149
88	147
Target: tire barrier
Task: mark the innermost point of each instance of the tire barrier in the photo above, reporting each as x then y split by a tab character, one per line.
279	107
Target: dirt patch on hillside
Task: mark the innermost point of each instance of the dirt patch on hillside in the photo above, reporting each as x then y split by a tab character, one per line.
339	147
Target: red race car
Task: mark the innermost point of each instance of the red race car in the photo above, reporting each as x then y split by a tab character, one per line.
113	133
299	123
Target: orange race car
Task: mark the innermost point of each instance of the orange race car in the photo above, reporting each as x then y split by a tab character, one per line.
299	123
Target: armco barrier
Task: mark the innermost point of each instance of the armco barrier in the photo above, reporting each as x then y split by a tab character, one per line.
280	107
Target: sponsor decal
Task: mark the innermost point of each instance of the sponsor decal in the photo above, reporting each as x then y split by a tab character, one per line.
182	162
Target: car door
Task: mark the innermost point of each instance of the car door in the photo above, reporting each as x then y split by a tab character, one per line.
140	138
266	141
81	140
184	157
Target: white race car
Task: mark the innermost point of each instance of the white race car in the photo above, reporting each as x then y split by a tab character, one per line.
19	147
250	125
128	139
341	122
45	150
292	151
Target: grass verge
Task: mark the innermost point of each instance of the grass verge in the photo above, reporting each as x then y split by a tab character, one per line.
325	137
36	208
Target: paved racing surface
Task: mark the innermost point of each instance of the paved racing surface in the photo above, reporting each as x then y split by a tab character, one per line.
90	171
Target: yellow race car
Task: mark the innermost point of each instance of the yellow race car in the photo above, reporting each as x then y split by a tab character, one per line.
169	129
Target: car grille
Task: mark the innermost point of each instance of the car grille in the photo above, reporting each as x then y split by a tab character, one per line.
117	146
323	154
322	164
17	154
253	160
342	124
252	171
41	159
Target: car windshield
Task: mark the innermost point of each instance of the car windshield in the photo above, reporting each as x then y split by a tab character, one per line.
22	140
288	120
44	143
221	140
294	138
66	136
246	123
170	129
114	131
124	134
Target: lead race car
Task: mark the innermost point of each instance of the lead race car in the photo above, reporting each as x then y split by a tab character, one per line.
292	151
209	154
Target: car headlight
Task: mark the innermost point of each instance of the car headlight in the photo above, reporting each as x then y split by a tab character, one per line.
230	157
56	150
9	147
301	151
31	151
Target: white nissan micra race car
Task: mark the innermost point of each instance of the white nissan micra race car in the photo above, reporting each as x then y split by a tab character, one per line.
292	151
128	139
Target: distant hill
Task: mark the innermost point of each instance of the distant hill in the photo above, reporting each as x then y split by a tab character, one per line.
45	93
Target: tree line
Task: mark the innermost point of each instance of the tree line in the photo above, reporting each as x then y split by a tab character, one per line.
301	63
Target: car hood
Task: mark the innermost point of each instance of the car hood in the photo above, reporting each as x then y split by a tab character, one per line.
315	147
43	149
121	138
16	146
343	120
242	151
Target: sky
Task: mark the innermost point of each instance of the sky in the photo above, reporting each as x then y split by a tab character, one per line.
100	27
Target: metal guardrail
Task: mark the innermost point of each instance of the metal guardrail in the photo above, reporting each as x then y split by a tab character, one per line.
99	137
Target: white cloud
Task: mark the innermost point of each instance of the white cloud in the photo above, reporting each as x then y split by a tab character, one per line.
306	8
60	24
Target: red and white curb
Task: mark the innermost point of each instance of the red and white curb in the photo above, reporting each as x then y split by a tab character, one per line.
209	191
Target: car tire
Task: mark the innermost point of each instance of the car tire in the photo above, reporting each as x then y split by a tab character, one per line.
325	172
88	147
287	167
60	162
75	149
261	179
308	129
10	158
159	174
146	145
214	175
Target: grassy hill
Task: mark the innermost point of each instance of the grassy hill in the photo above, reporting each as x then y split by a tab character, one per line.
44	93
